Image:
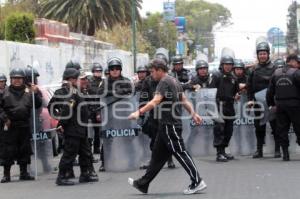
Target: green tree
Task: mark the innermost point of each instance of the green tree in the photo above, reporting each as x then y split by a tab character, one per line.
292	30
159	33
121	37
19	27
89	15
201	17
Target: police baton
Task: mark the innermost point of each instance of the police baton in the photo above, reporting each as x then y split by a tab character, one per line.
34	121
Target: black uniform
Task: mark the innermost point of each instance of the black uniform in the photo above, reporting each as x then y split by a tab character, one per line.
241	80
182	76
1	131
227	87
284	92
116	87
139	85
205	82
95	84
169	140
16	106
65	102
258	80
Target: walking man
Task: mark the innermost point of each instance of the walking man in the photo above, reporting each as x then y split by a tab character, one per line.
170	98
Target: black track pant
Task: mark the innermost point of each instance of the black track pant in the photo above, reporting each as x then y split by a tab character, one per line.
169	142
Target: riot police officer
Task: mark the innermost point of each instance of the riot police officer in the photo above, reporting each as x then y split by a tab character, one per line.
203	79
284	94
142	73
239	72
3	80
65	105
94	115
116	84
180	73
96	80
15	108
95	84
258	80
227	89
28	75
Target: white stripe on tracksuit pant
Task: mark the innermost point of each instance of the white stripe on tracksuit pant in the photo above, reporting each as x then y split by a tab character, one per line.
168	142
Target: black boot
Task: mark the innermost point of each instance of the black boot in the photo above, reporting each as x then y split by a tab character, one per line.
24	175
258	153
102	168
70	174
220	157
6	174
277	153
93	175
286	155
86	177
61	179
228	156
171	164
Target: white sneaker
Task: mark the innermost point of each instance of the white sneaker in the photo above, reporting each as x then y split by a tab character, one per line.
130	181
193	188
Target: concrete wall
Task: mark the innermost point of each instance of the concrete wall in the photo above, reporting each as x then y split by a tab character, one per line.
50	61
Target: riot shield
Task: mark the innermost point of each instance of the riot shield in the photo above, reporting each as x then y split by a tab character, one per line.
202	56
261	39
123	147
268	114
44	146
243	138
164	52
199	139
227	52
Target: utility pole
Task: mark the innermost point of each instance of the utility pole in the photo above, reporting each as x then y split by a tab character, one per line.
133	27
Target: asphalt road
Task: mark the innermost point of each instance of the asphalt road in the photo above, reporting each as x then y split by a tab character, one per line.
243	178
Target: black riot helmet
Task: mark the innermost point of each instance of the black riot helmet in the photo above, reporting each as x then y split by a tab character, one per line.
239	64
279	63
114	62
177	59
201	64
141	69
17	72
28	75
227	60
263	46
70	73
73	64
2	77
97	67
